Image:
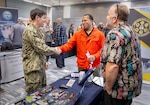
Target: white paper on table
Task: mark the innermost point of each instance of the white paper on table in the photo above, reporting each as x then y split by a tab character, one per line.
70	82
99	81
74	75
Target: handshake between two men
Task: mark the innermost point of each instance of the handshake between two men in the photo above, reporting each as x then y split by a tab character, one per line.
90	58
57	51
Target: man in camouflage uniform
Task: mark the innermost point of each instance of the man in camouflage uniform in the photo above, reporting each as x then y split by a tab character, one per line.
34	51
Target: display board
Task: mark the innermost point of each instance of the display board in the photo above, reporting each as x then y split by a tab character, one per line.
140	20
8	17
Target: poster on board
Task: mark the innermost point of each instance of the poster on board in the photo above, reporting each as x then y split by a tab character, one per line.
140	20
8	17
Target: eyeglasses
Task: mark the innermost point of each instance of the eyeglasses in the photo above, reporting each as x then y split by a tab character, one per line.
117	9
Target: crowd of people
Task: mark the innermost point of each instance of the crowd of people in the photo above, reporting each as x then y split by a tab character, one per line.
114	46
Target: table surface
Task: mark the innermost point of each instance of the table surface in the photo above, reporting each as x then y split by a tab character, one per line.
92	93
86	94
10	53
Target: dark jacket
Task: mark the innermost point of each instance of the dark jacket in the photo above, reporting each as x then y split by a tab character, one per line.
60	36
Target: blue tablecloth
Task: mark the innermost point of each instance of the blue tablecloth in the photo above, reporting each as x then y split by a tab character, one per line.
86	94
92	93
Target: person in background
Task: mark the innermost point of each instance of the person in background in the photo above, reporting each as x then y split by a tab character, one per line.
101	26
106	30
1	36
89	42
71	31
16	35
29	21
79	27
48	34
60	38
94	24
34	51
121	57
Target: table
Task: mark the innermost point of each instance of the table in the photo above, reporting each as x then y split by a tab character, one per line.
11	67
92	94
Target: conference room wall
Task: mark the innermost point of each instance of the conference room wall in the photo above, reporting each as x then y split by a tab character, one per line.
57	12
24	8
98	10
139	3
2	3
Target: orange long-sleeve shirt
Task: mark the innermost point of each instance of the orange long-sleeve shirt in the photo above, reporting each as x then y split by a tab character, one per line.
93	44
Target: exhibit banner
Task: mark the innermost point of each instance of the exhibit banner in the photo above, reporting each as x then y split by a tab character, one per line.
8	17
140	20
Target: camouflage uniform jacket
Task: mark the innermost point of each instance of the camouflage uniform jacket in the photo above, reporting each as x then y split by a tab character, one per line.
34	49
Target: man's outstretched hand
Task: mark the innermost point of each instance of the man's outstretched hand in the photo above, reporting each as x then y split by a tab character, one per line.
58	51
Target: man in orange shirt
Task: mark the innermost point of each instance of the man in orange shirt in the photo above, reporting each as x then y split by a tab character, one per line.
89	42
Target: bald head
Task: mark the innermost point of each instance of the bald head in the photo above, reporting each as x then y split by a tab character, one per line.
121	11
47	20
117	13
58	20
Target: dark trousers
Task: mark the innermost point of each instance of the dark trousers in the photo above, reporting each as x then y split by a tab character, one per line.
49	44
60	60
0	73
108	100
